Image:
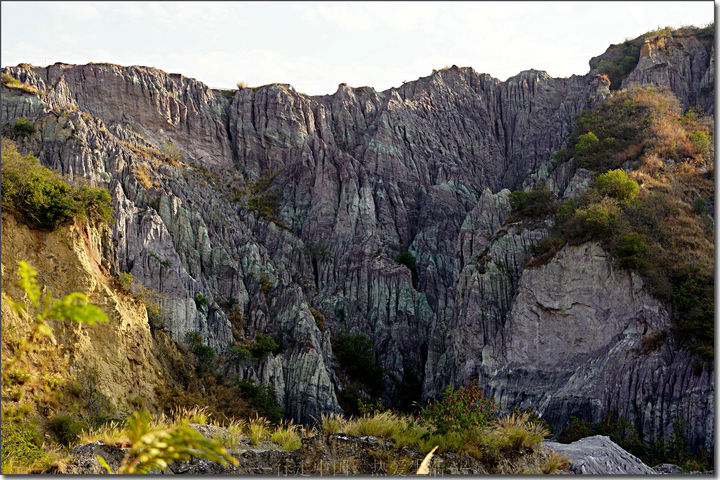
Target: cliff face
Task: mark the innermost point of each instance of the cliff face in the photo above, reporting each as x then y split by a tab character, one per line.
363	176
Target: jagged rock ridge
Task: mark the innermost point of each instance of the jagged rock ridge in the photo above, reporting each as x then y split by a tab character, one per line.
364	176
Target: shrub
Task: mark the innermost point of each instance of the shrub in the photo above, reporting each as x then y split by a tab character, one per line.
164	263
461	409
555	461
205	357
356	353
200	301
518	432
124	281
587	144
23	127
600	218
536	203
21	442
262	398
617	184
66	428
41	199
264	345
287	436
632	251
193	338
407	259
241	85
239	354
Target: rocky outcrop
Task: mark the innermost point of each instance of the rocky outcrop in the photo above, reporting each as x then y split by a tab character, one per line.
584	339
277	202
599	455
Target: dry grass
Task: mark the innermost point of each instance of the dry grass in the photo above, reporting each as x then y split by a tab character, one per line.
288	436
555	462
259	430
517	432
331	424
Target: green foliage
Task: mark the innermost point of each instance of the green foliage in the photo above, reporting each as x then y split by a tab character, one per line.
164	263
701	141
617	184
154	449
204	356
408	259
11	82
193	338
262	398
200	301
356	355
239	354
262	199
264	345
40	198
619	62
23	127
587	144
653	219
124	281
536	203
461	409
632	251
600	218
66	428
21	442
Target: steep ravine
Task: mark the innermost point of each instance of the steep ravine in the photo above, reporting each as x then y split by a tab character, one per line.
364	176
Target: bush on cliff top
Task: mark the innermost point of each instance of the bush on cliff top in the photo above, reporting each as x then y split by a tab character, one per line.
41	199
654	219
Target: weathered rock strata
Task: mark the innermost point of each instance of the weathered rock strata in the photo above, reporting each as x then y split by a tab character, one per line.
365	175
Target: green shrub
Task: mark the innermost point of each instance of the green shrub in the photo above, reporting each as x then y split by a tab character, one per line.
262	398
193	338
239	354
125	280
536	203
164	263
40	198
66	428
205	357
586	145
264	345
23	127
408	259
461	409
617	184
701	141
600	218
356	355
632	251
200	301
21	442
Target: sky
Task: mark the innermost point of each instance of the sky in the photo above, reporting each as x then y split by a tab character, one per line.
317	45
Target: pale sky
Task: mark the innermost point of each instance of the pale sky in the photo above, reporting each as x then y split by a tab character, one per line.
316	45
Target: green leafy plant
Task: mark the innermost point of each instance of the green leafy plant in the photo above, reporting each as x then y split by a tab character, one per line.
264	345
617	184
40	198
200	301
23	127
163	262
461	409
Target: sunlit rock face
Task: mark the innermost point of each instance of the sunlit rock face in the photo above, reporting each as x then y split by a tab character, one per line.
357	178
